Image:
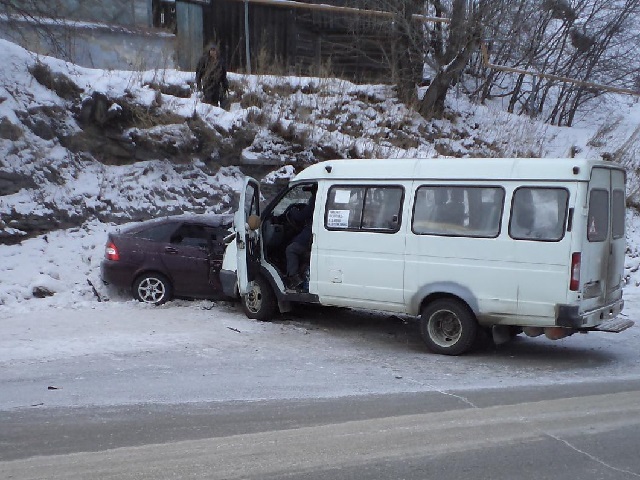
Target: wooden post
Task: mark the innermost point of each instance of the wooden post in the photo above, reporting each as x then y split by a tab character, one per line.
247	34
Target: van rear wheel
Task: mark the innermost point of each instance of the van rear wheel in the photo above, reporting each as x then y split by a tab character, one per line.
448	326
259	302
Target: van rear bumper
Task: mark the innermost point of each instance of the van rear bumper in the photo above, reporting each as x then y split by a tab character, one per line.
569	316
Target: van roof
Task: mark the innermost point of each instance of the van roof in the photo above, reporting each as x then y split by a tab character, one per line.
559	169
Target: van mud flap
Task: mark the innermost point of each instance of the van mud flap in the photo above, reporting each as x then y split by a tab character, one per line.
614	325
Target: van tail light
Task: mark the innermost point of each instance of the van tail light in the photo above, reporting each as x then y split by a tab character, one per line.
111	252
574	284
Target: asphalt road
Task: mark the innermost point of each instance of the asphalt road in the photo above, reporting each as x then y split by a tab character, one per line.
580	431
125	392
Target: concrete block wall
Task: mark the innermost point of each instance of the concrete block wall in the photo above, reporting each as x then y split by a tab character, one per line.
111	34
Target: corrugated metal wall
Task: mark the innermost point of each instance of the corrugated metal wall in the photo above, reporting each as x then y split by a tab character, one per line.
190	38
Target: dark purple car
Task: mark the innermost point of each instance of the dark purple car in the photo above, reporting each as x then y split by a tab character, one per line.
173	256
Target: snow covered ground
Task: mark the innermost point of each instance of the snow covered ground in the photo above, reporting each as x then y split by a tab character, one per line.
200	351
124	352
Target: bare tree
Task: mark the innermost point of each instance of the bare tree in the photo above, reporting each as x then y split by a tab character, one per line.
450	47
444	46
605	51
408	49
586	40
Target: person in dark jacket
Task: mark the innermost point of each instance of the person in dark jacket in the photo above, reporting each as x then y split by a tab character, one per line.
211	76
301	243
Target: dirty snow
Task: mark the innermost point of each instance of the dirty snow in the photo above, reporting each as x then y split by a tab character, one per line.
206	351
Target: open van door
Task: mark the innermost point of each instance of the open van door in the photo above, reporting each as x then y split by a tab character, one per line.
604	246
247	240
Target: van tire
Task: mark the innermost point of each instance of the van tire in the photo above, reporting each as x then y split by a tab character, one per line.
259	302
448	327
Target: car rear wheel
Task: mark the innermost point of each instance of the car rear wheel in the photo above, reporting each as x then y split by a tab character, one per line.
448	326
152	288
259	302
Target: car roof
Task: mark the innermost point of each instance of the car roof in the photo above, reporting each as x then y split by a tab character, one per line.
209	220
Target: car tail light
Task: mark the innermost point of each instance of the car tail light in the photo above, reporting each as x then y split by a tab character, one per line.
574	284
111	252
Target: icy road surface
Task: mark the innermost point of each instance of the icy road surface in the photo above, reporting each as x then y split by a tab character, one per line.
123	352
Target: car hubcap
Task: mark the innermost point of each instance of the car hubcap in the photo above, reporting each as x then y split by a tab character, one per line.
151	290
254	298
445	328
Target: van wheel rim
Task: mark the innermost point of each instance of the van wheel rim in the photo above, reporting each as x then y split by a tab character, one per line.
151	290
444	328
254	299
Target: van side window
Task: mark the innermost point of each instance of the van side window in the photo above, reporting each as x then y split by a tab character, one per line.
364	208
618	220
538	214
598	218
465	211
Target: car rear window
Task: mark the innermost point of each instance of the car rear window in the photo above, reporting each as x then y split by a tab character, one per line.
157	233
192	235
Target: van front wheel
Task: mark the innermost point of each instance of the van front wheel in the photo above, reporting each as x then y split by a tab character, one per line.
448	326
259	302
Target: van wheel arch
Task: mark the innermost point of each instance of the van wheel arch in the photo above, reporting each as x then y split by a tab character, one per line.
443	295
448	325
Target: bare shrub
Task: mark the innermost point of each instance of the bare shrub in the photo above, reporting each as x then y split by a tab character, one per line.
251	99
627	155
268	64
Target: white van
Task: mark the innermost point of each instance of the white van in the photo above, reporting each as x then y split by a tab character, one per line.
507	245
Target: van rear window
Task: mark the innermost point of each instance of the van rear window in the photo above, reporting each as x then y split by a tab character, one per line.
598	219
464	211
617	224
538	214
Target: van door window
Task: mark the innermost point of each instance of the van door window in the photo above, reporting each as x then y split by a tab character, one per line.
538	214
382	209
465	211
618	220
598	219
364	208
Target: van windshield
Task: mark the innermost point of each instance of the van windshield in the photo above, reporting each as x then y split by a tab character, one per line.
299	194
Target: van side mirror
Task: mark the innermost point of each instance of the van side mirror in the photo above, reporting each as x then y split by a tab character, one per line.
253	222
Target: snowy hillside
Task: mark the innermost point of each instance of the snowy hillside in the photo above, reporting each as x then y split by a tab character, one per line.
82	150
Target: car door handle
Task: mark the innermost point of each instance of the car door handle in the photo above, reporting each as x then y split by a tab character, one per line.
170	250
